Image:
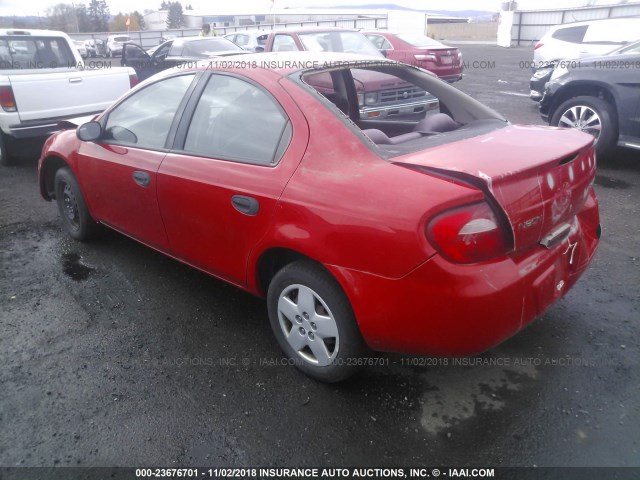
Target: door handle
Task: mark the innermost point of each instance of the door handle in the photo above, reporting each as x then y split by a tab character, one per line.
141	178
246	205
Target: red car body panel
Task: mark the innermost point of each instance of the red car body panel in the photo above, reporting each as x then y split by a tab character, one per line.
446	64
334	200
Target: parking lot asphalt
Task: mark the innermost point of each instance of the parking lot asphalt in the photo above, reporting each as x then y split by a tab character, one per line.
114	355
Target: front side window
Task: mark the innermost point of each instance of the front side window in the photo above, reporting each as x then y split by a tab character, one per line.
235	120
144	119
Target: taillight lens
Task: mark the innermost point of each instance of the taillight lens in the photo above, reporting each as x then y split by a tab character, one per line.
133	80
7	100
538	45
468	234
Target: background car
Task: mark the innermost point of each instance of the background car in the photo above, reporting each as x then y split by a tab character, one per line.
115	43
444	236
379	96
251	40
82	49
578	40
598	96
174	52
419	50
90	47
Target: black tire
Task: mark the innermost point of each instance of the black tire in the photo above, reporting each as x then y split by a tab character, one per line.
343	350
73	209
6	158
608	137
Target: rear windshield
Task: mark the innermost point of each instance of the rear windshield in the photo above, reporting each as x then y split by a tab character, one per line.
203	48
418	40
22	52
121	39
397	109
352	42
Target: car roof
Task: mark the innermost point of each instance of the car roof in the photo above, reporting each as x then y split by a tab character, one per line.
27	32
257	33
314	30
591	22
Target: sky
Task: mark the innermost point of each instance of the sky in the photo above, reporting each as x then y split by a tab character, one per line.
35	7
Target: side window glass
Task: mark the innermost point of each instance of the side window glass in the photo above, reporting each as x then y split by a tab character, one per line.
284	43
235	120
144	119
570	34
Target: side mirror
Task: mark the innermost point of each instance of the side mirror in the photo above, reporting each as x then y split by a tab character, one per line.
259	49
89	132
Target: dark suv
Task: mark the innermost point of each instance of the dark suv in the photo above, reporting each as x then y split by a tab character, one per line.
599	96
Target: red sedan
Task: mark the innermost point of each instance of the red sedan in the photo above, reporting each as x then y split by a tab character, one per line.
421	51
443	235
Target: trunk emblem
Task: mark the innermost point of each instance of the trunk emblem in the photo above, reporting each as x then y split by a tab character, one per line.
560	285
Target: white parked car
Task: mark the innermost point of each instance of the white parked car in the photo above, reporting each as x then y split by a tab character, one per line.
82	49
114	44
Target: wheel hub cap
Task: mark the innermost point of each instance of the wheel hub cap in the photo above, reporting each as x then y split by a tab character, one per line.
583	118
308	325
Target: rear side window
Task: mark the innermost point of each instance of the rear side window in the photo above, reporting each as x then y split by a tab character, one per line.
235	120
284	43
380	42
570	34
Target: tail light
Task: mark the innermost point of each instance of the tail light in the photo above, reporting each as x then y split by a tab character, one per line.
468	234
538	45
133	80
7	100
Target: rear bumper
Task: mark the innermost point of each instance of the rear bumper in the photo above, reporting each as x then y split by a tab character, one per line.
446	309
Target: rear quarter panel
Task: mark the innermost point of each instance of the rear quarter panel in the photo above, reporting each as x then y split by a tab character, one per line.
346	206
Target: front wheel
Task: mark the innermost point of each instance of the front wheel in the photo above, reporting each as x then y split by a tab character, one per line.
313	322
591	115
73	208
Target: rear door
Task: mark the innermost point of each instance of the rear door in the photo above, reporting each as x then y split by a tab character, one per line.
234	155
119	172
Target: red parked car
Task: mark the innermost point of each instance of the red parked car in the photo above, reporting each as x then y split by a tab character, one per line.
442	236
421	51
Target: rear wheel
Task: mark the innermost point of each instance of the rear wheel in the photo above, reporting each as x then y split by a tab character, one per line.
591	115
313	322
73	208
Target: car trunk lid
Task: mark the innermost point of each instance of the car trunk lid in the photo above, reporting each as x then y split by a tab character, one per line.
539	176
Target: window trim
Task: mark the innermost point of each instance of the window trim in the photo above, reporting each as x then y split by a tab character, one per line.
189	113
176	120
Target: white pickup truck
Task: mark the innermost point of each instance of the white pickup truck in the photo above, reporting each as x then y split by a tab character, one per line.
43	80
